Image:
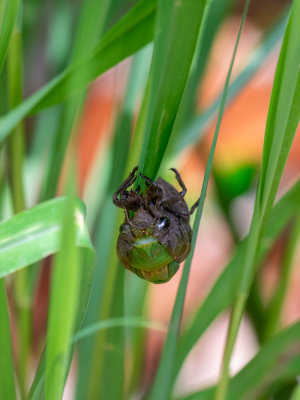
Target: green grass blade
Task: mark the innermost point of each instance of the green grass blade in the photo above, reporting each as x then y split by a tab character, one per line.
104	300
7	381
277	300
283	118
192	131
117	322
63	306
296	393
34	234
215	12
275	363
284	112
127	36
16	149
52	215
224	290
8	16
89	31
163	380
172	58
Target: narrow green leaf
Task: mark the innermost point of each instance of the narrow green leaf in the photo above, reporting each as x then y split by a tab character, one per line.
163	380
104	300
34	234
215	12
172	58
135	322
8	16
88	33
16	149
296	393
45	237
194	127
278	359
277	300
277	362
284	111
224	290
63	306
126	37
7	382
283	118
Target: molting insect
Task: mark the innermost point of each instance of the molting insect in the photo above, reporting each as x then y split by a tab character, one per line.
156	234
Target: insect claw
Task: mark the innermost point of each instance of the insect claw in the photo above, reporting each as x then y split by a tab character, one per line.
148	180
132	173
180	181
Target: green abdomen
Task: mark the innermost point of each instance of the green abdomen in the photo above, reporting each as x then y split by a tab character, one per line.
148	254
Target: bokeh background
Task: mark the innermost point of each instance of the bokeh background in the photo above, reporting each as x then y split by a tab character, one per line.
229	204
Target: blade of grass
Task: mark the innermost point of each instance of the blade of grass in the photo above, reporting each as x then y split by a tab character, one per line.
276	303
8	16
34	234
22	294
94	195
106	236
117	322
54	225
88	33
7	381
224	290
296	393
16	140
172	58
192	131
214	15
63	306
163	379
281	126
127	36
277	362
135	306
103	297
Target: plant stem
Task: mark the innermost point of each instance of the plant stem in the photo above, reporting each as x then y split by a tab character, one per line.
15	166
277	300
234	324
280	129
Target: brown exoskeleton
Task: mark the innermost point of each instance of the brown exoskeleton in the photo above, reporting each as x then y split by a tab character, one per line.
158	236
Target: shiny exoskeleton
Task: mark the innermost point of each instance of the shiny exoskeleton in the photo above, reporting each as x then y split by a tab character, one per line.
156	234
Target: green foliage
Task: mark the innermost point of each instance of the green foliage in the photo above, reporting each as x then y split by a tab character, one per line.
103	313
7	384
283	118
8	16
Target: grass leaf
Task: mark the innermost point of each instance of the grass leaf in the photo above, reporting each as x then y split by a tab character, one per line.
163	380
126	37
277	362
34	234
63	306
7	382
283	118
172	58
8	16
224	290
192	131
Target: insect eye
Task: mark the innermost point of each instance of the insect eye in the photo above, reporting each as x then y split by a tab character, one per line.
163	223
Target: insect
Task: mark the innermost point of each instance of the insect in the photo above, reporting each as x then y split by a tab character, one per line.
156	234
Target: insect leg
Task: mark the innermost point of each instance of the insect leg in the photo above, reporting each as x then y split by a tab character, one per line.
148	180
128	182
180	181
194	206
